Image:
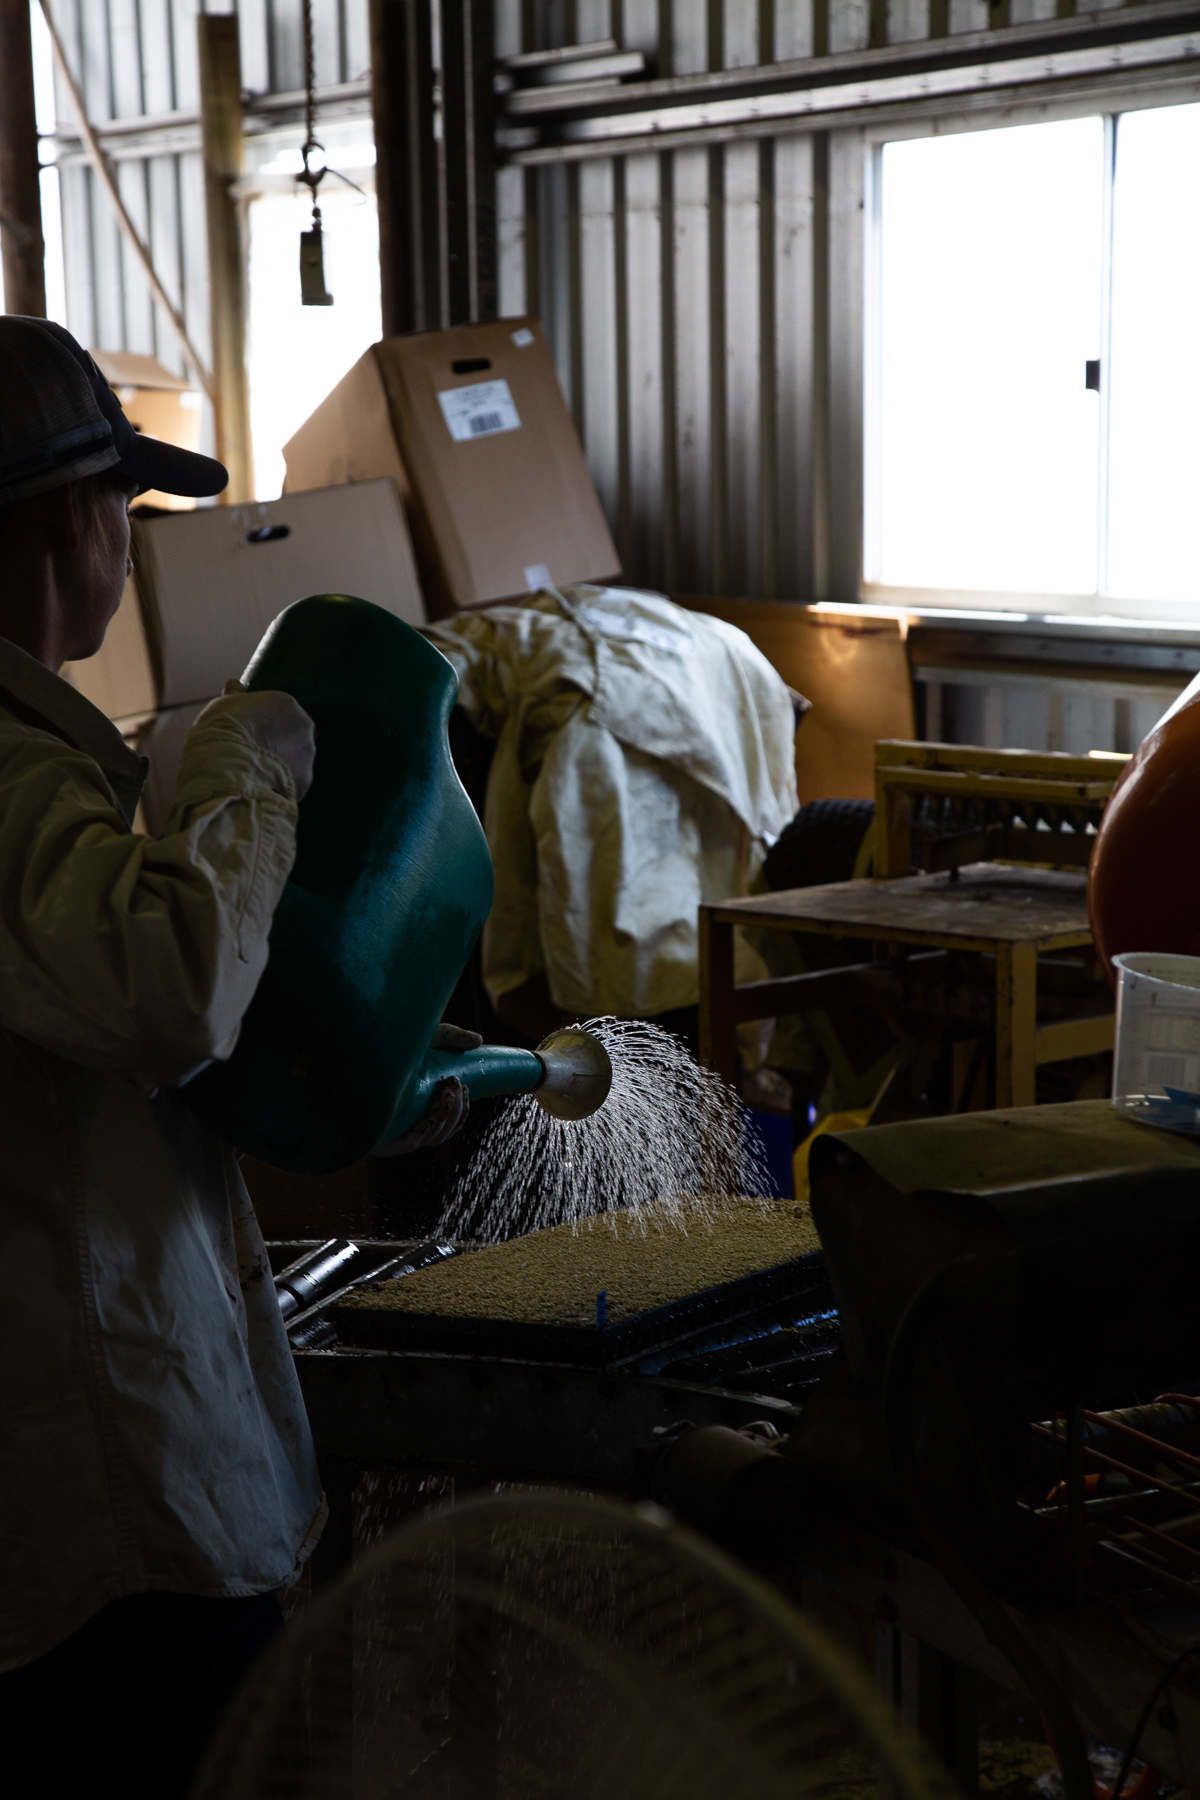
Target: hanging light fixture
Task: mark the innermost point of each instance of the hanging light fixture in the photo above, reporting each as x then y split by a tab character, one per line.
313	291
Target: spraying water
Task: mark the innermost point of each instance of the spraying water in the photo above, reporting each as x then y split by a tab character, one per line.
670	1133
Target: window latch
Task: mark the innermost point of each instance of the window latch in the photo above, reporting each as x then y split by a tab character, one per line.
1091	375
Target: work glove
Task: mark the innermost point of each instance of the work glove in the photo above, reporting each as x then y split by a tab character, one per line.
450	1104
276	722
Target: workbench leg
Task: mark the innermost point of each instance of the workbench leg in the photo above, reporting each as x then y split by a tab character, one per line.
718	1035
1016	1024
936	1697
893	836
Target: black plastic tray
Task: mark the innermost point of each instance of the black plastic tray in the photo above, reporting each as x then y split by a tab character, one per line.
587	1346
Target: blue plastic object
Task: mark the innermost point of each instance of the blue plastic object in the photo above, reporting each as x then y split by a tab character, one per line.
774	1133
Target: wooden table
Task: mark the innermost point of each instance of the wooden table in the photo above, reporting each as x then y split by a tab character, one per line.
963	945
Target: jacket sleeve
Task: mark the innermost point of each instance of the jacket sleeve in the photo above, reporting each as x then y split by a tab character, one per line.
129	954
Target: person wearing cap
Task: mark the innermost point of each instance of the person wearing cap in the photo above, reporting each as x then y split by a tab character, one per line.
157	1476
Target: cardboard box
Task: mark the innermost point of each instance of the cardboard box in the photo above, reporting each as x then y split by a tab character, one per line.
162	405
209	582
499	496
162	737
851	662
119	679
349	437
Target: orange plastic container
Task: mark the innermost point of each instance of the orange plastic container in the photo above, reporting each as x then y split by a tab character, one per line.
1144	884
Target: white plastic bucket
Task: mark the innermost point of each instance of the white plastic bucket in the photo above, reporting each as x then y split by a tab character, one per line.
1158	1027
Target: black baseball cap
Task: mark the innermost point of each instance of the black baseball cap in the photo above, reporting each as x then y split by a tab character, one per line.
60	420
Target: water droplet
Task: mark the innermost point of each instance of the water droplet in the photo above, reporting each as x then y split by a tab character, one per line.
670	1132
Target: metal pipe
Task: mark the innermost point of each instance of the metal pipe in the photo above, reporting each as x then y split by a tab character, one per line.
302	1283
339	99
916	59
406	178
1175	1545
1136	1475
1111	1423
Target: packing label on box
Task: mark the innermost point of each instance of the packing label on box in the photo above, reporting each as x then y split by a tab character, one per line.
480	410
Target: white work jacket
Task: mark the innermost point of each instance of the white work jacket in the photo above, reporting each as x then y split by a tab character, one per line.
152	1431
644	762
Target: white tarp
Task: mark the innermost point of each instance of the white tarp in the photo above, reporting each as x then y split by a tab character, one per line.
644	763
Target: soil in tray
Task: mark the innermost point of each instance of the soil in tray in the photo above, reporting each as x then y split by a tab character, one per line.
544	1287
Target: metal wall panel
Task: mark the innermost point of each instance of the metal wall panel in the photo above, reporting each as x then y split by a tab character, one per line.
689	314
137	59
690	511
1074	716
598	329
704	303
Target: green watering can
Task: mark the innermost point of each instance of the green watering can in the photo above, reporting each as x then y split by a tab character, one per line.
390	889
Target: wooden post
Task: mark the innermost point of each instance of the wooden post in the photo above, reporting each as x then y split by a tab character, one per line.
21	244
893	833
1016	1024
718	1037
224	159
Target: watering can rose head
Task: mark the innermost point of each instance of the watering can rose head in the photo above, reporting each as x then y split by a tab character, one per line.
578	1074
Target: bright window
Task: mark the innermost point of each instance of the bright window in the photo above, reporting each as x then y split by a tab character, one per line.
1024	435
298	353
1154	422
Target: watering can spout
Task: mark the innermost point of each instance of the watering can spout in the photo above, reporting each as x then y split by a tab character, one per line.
578	1074
569	1074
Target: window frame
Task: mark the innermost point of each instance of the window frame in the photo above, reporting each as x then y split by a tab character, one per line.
1102	101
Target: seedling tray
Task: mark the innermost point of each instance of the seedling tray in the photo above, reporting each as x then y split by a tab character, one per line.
587	1346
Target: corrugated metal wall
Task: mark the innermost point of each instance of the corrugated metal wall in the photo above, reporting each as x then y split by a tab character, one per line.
704	302
677	289
137	59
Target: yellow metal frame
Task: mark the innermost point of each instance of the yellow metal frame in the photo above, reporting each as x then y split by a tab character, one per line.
1077	786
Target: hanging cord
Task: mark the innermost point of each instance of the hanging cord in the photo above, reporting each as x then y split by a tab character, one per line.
311	178
313	291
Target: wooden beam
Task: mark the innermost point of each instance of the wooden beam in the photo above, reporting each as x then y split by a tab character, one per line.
915	986
718	1040
853	984
1074	1037
224	160
1062	849
22	249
